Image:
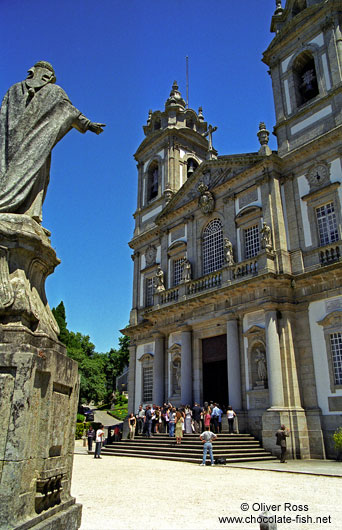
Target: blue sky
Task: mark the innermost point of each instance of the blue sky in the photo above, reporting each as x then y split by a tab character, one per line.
116	59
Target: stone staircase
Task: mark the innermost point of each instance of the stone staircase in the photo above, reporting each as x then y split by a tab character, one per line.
233	447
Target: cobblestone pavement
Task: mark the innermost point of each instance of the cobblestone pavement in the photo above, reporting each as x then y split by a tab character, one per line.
135	493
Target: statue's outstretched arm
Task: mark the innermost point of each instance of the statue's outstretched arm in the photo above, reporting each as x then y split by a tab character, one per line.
96	128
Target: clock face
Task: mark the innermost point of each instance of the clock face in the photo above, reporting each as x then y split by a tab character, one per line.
318	176
150	255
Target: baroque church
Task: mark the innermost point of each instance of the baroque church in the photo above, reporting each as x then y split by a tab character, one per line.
237	257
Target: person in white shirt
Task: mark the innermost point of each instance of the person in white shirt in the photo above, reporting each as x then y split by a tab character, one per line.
99	440
206	437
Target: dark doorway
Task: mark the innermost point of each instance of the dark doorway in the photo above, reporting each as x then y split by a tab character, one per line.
215	378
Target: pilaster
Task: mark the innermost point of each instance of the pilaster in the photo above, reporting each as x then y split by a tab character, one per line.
233	364
186	366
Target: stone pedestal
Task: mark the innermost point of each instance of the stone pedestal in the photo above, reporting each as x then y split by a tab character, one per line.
39	388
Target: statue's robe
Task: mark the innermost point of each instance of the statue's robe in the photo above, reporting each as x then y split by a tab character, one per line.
29	128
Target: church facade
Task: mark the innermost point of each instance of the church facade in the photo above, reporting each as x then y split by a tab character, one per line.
237	258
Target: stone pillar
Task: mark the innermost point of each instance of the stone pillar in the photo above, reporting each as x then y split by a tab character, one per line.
158	369
131	377
186	367
275	380
233	364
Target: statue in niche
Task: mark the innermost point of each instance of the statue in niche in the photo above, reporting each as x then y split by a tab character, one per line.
266	237
260	360
159	280
228	249
186	271
176	375
34	116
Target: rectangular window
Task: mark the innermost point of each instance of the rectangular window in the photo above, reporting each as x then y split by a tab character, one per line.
336	351
149	292
177	270
147	384
252	241
327	225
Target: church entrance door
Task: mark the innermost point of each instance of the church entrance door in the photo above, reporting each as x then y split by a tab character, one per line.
215	378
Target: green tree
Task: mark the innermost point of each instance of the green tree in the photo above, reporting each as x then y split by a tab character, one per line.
92	365
116	361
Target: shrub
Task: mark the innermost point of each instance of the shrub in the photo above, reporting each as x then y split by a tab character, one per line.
337	437
80	418
119	412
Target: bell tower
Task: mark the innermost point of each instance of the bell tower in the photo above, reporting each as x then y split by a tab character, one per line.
174	146
305	61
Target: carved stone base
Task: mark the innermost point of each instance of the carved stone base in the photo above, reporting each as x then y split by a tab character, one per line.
26	259
39	388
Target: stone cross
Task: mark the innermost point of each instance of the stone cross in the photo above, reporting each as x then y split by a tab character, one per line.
209	133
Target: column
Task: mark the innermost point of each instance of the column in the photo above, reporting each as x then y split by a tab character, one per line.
186	368
131	377
158	369
233	364
274	371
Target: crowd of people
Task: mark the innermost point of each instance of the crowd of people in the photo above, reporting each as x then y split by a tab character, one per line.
155	419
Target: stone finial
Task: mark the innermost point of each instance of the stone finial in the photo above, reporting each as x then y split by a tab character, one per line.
175	97
263	135
200	114
149	117
279	8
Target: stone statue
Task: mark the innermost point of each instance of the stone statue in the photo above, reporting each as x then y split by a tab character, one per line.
176	366
260	359
228	248
159	280
266	237
35	115
186	272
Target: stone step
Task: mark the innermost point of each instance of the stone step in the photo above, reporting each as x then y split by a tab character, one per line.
193	459
180	452
234	447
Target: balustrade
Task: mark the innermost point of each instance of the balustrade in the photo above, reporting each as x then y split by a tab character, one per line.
245	268
206	282
329	255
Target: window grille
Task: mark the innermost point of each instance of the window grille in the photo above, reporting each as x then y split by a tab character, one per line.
147	383
327	225
252	241
177	270
336	351
213	255
149	292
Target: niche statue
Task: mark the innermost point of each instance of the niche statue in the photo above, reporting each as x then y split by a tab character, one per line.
35	115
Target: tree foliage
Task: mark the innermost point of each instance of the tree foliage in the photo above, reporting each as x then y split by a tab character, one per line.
97	370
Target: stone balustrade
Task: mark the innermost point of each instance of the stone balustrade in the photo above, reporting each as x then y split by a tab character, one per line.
209	281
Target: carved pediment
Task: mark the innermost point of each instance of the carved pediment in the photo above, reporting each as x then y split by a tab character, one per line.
255	333
208	176
147	357
332	321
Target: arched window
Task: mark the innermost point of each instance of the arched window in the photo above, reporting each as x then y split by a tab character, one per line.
212	247
305	77
153	179
191	167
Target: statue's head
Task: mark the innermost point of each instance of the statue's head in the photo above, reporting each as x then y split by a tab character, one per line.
40	75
